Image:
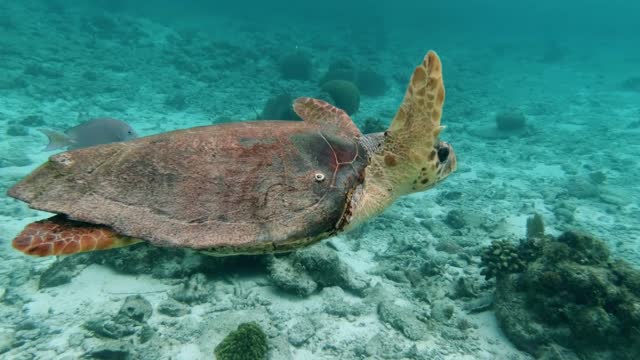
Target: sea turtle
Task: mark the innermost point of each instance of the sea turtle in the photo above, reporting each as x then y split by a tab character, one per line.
240	188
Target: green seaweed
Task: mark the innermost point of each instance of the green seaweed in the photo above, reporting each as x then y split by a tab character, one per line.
341	69
296	66
247	342
535	226
345	95
279	107
372	83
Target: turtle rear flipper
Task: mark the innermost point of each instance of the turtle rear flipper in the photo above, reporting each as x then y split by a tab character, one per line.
58	235
327	116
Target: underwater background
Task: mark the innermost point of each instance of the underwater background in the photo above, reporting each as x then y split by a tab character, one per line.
531	249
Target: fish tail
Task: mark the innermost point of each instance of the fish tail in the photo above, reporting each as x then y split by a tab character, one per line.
57	140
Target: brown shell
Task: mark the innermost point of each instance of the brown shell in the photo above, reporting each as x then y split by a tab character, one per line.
245	187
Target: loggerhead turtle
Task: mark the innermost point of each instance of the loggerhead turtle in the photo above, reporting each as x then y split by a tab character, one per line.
240	188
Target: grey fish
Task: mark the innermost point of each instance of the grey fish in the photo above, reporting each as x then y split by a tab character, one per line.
90	133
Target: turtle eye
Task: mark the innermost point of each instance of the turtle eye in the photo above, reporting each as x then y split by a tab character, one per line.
443	153
319	177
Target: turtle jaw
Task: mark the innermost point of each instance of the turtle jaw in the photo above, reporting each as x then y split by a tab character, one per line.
436	167
380	188
367	200
447	162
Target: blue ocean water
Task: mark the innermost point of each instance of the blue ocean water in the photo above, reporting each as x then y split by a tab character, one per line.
529	249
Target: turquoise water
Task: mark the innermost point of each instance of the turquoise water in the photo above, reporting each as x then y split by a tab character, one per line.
542	109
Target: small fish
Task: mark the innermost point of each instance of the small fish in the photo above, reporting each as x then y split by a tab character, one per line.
90	133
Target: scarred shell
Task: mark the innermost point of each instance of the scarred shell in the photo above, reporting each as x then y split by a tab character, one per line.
247	187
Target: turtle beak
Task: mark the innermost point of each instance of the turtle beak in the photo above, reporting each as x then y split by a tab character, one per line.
447	162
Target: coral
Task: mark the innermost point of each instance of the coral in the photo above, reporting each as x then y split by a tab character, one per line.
517	321
306	270
448	246
373	125
90	75
63	270
585	249
553	53
323	264
137	308
173	308
14	158
371	83
177	101
335	302
7	340
40	70
32	120
112	353
403	319
17	130
13	83
185	64
301	332
499	259
103	24
443	310
296	65
159	262
345	95
582	188
7	22
342	69
531	248
194	291
279	107
631	84
535	227
570	294
290	279
131	320
627	276
247	342
512	120
598	177
455	219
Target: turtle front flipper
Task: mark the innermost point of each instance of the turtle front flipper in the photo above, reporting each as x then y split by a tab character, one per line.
412	146
58	235
411	157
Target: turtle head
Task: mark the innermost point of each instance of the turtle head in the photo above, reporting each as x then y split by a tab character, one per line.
436	164
441	164
408	157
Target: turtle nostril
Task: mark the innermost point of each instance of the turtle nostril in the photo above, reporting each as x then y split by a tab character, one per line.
443	153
